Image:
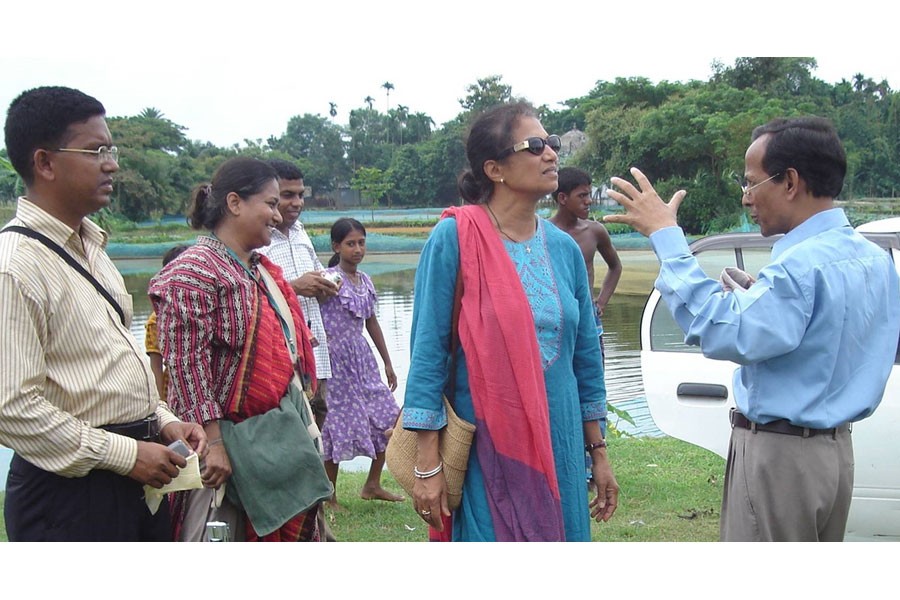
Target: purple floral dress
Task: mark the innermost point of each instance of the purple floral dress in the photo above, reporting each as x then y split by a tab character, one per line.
360	405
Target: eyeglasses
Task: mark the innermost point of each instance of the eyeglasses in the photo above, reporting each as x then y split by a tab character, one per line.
746	187
535	145
104	153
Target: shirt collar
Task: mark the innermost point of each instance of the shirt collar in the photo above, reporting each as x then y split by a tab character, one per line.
40	220
220	248
297	227
816	224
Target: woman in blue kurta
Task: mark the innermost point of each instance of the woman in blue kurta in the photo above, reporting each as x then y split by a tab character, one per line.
528	372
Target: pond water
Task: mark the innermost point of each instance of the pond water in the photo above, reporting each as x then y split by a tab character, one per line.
393	276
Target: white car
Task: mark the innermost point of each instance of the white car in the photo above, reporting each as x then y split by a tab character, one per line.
689	395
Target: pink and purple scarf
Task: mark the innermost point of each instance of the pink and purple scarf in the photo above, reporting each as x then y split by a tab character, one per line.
506	378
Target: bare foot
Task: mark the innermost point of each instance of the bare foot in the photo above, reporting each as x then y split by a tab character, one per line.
379	493
333	505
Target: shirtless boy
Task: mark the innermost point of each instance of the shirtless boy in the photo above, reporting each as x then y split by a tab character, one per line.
573	200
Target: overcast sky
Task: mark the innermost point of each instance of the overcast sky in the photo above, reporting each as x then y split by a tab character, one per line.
229	75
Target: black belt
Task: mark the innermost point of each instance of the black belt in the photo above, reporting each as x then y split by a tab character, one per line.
146	430
782	426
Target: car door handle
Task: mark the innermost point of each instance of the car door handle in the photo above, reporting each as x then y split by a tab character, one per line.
712	390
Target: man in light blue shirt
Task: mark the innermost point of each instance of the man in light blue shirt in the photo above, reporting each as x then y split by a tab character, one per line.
815	335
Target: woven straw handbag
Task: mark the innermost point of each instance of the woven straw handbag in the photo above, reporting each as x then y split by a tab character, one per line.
455	440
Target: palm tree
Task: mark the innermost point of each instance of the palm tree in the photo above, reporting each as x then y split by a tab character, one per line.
402	117
332	110
151	113
369	100
388	86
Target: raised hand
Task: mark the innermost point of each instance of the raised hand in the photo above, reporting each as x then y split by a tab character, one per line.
644	209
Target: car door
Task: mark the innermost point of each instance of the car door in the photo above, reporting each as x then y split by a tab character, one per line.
875	511
689	395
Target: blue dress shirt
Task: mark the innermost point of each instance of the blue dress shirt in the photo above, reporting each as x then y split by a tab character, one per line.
815	336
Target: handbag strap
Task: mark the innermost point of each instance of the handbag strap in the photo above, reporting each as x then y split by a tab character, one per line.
454	335
284	310
69	259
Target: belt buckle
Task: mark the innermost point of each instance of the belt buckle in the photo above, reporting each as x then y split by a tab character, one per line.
152	428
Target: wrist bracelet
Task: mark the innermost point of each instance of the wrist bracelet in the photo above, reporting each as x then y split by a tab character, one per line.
212	443
426	474
591	447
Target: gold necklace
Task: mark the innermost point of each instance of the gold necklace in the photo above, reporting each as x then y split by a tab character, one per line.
500	229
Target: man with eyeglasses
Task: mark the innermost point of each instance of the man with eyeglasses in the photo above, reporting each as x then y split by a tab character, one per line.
815	334
78	400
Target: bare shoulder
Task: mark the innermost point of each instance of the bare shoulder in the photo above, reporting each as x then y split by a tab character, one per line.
597	231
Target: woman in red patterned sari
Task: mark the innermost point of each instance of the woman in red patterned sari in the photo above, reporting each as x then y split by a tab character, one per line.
228	342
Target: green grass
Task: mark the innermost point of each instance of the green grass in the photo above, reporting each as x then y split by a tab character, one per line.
671	491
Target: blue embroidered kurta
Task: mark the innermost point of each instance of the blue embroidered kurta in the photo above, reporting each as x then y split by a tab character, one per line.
554	277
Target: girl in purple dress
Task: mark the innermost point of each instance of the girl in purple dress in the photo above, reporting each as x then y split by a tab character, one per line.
361	408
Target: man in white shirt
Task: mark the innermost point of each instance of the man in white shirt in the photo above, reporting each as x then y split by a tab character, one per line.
292	250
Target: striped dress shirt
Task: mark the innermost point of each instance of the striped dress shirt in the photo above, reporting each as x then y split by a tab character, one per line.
67	363
296	256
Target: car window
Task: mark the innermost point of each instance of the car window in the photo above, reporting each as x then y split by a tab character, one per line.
713	261
665	334
755	259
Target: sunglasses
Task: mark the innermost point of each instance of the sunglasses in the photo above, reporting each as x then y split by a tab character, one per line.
535	145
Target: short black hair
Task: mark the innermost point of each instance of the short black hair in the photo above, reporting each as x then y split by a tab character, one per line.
811	146
172	253
285	169
40	118
569	179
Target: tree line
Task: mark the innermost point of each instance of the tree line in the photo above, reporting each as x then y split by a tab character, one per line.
688	135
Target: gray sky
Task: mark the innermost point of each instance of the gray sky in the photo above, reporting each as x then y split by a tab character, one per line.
229	75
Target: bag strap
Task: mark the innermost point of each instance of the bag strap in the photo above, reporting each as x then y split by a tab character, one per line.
283	308
69	259
454	335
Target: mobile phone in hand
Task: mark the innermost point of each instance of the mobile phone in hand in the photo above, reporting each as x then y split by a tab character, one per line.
181	448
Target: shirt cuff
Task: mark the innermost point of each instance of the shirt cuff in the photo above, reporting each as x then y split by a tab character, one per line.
593	411
669	242
121	453
422	418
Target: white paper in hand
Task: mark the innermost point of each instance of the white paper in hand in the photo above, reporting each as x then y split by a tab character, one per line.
188	479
